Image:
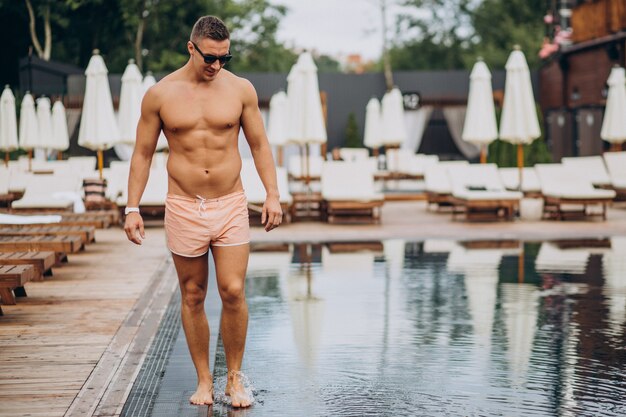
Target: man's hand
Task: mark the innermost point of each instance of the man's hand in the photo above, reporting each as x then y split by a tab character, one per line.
133	226
272	215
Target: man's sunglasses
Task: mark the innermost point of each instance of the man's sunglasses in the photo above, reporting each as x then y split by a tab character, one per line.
210	59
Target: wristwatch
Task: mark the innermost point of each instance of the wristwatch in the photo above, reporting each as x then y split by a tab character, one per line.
131	210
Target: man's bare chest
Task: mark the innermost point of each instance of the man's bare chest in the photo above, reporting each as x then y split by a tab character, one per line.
187	112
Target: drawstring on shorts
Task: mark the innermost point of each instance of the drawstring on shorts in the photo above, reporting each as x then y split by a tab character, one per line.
201	206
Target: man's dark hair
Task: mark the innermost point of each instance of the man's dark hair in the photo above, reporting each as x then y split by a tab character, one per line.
209	27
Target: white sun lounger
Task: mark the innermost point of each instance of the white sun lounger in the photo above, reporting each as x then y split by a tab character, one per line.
354	154
50	192
255	190
567	192
591	167
530	180
153	198
616	167
404	163
349	193
83	163
296	167
478	192
437	183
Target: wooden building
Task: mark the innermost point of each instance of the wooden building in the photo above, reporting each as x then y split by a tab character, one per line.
573	80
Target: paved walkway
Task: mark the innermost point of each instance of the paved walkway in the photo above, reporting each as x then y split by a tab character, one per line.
75	344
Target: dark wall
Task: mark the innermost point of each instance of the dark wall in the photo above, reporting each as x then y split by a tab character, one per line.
552	85
586	78
560	133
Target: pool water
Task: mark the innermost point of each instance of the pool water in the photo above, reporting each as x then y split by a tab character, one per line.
399	328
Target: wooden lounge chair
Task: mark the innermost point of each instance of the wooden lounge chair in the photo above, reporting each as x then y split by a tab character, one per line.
255	191
354	154
59	244
590	167
41	261
41	194
153	199
99	220
530	181
86	233
349	194
478	193
296	168
616	167
405	164
568	193
12	280
438	185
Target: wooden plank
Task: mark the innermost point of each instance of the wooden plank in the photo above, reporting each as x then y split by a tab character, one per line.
68	244
13	277
86	233
41	261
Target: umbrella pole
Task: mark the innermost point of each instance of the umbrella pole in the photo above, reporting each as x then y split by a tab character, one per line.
6	158
616	147
100	162
307	180
59	155
520	163
520	265
483	154
30	160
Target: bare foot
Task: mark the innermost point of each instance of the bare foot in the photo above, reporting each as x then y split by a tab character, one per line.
203	395
239	397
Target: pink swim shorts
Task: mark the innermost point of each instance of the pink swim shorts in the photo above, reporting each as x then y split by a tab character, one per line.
192	225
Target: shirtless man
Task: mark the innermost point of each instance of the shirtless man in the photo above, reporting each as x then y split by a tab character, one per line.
200	108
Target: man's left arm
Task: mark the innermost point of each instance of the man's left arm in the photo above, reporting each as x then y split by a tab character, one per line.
252	124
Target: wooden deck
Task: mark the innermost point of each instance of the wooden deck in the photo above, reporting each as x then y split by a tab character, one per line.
51	340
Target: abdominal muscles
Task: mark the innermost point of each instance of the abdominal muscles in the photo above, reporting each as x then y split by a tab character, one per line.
205	164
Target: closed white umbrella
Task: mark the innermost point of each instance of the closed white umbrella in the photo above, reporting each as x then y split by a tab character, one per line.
60	136
98	126
129	110
29	132
372	137
278	122
480	118
8	123
306	115
614	122
148	82
131	95
44	124
393	128
519	124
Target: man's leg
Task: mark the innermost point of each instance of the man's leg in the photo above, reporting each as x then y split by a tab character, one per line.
231	263
193	279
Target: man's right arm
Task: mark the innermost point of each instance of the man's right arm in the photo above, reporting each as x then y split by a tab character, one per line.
148	130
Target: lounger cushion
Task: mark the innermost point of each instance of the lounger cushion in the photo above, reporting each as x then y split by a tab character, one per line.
473	195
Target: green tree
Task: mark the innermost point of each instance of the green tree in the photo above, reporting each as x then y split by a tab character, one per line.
500	24
326	63
352	139
154	32
450	34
